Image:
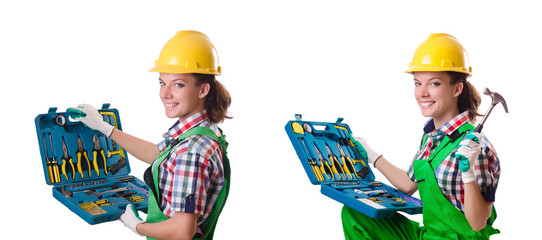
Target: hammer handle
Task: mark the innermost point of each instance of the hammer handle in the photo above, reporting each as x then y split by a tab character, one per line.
478	128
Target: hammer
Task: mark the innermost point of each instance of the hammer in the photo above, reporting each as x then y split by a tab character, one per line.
495	99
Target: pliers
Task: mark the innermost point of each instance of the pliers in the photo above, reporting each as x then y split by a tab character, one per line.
65	160
335	165
348	163
99	156
80	162
324	166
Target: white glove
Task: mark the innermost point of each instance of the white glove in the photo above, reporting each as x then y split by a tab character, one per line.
362	145
467	153
131	218
91	118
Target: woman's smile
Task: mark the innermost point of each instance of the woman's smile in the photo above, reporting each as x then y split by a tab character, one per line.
436	96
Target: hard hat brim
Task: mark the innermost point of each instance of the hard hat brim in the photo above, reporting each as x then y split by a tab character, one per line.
179	70
430	68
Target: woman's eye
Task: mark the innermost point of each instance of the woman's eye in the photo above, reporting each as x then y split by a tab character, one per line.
179	85
417	84
161	84
436	84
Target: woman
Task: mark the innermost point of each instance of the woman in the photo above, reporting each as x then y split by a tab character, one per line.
189	172
455	169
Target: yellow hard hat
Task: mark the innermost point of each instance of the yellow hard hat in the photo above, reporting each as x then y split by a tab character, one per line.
188	52
440	52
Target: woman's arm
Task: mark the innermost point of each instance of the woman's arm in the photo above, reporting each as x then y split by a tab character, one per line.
469	153
398	177
141	149
181	226
477	210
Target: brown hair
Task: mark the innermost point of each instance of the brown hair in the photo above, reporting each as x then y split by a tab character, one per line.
469	99
218	99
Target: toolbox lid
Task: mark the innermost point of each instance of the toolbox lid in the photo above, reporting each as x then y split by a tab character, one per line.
65	145
326	151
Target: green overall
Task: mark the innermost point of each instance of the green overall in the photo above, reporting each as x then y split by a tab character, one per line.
441	219
155	214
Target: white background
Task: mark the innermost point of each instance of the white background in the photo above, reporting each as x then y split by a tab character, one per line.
323	59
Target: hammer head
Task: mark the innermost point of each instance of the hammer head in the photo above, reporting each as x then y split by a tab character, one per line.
496	98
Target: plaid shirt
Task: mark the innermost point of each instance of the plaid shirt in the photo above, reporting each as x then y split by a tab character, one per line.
448	175
191	177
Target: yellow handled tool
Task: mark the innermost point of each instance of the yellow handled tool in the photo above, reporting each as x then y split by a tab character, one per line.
52	177
324	166
347	142
67	161
299	130
82	162
54	163
120	151
98	156
335	165
350	169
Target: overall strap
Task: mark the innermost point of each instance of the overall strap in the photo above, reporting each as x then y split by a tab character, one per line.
210	223
448	144
152	178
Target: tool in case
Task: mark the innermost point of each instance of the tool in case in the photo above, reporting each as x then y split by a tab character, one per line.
88	171
330	159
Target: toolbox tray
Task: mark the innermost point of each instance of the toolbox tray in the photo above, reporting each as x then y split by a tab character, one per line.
353	185
96	191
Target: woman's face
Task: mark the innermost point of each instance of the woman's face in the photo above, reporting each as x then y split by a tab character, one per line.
180	95
436	97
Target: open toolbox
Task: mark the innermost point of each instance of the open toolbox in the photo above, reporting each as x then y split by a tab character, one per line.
88	171
331	159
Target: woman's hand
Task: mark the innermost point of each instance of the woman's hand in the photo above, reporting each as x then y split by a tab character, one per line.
467	153
362	145
131	218
477	209
88	115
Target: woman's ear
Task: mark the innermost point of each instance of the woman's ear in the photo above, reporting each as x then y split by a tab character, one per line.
204	90
458	89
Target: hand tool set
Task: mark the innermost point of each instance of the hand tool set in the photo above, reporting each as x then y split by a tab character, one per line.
331	159
88	171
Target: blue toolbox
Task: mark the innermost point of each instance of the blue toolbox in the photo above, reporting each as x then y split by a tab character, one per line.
330	159
88	171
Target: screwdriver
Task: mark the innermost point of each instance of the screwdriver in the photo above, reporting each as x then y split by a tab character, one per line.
52	178
299	130
56	171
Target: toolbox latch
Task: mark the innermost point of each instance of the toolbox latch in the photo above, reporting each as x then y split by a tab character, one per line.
52	110
298	117
339	120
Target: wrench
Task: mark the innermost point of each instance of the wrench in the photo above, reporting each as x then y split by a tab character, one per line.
99	194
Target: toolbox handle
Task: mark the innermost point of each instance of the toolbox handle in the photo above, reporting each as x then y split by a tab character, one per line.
326	130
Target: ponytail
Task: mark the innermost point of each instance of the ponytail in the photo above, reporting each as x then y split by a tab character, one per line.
218	99
469	99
